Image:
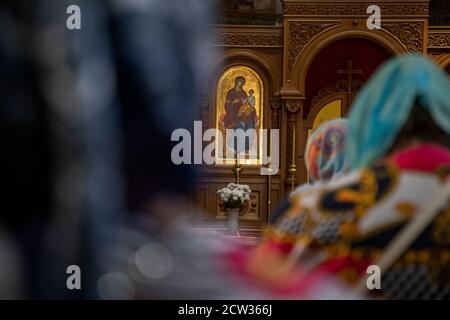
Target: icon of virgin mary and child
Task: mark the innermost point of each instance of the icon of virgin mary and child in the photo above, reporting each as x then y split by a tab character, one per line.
240	111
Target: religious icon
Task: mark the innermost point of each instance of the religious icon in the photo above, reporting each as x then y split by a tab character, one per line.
238	104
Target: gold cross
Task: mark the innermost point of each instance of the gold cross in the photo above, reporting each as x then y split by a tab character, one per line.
349	72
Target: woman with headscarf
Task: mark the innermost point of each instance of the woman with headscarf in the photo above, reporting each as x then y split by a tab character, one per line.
325	158
399	150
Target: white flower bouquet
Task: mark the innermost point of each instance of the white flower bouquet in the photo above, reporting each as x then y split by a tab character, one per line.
234	195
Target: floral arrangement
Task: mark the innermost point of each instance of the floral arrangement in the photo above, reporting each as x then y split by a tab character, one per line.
234	195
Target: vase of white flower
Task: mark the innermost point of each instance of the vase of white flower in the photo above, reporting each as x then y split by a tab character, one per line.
234	197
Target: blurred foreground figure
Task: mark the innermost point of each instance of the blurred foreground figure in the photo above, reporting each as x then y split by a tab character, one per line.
86	119
399	146
325	158
41	168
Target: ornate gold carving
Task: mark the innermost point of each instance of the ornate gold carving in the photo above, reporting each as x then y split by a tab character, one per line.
251	206
354	9
410	34
275	104
293	105
300	33
247	39
439	40
338	86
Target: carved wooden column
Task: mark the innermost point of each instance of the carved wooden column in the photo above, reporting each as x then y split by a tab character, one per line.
275	105
293	108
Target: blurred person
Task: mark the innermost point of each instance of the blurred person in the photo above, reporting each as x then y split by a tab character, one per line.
39	217
399	148
87	116
325	158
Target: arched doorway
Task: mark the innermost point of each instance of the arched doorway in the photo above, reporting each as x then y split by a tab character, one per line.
342	67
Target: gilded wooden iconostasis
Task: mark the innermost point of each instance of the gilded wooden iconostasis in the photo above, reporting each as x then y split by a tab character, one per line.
302	73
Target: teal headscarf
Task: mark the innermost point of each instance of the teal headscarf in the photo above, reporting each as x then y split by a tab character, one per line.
382	107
